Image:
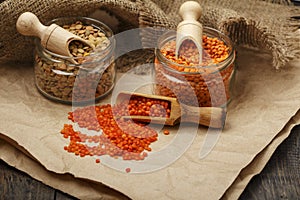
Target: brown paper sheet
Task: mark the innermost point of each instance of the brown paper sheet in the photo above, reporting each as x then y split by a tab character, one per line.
257	165
83	189
265	102
78	188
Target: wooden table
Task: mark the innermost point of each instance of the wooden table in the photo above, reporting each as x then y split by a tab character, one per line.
280	179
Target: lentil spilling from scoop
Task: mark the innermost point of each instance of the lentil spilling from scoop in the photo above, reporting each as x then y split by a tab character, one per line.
117	137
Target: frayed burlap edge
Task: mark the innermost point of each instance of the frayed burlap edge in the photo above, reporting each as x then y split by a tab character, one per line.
283	44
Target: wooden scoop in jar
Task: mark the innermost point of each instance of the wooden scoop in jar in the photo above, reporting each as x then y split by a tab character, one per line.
190	28
208	116
53	37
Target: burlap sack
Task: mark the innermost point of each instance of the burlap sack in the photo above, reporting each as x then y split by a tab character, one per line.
264	24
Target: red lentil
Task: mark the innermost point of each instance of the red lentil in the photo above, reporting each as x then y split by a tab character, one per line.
98	161
166	132
127	170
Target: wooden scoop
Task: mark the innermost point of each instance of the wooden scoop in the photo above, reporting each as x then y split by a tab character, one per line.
53	37
190	28
208	116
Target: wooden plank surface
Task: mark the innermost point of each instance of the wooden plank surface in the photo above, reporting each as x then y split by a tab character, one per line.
280	178
15	184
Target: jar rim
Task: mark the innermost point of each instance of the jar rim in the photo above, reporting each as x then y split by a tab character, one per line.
98	24
171	35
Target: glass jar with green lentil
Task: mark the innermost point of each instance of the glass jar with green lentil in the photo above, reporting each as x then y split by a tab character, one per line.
91	77
204	84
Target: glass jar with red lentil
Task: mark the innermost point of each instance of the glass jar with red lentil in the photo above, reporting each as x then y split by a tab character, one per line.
209	82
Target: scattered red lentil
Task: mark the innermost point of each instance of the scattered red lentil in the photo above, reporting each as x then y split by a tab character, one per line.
166	132
128	170
97	160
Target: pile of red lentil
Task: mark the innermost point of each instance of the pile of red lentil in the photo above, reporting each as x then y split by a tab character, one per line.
117	137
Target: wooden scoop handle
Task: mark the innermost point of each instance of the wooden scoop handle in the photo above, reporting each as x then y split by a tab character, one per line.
28	24
190	28
208	116
190	10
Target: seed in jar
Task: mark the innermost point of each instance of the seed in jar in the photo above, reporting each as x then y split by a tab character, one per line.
87	33
81	50
62	66
101	34
74	51
81	31
90	28
66	26
78	27
91	38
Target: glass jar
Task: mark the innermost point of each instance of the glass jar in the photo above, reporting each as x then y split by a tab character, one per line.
59	79
202	85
